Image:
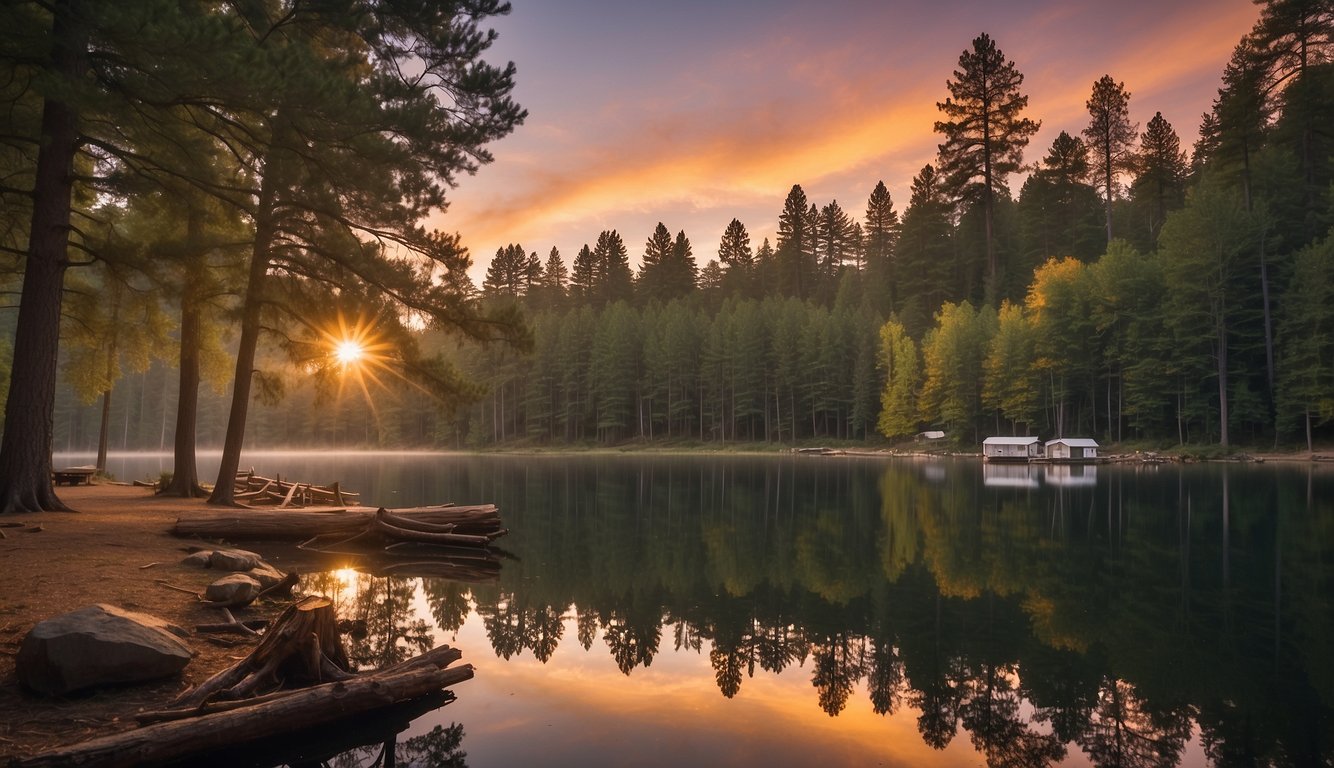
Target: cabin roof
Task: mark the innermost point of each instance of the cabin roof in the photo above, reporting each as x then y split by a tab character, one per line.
1075	442
1010	441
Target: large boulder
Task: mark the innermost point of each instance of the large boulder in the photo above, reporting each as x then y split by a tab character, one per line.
99	645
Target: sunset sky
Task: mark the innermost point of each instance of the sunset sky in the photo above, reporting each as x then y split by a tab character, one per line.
694	112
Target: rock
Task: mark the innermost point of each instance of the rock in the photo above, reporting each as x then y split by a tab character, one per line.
198	559
234	560
99	645
266	575
234	589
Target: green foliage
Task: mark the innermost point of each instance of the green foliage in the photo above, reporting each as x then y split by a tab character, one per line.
954	353
1306	337
1010	368
898	401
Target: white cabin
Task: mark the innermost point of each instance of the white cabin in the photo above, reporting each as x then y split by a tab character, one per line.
1011	448
1072	449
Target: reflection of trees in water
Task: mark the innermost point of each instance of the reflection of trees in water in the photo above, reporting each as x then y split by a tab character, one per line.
513	626
440	748
1122	732
884	678
449	603
1095	617
989	711
633	638
383	606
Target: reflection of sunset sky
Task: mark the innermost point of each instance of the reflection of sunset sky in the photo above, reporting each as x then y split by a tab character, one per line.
579	709
692	113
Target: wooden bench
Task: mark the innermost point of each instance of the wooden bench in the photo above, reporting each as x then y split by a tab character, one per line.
73	475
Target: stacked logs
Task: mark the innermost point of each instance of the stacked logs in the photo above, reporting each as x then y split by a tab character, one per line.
253	490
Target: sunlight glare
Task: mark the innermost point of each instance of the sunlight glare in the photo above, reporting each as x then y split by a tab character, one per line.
349	351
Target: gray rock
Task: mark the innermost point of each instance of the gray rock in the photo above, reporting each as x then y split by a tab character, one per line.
99	645
198	559
266	575
234	560
234	589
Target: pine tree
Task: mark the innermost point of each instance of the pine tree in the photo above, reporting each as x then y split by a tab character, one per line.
1058	211
735	255
1110	134
880	236
795	254
584	278
833	240
555	279
657	255
509	273
349	169
1233	132
681	275
1160	181
984	134
767	272
924	253
612	260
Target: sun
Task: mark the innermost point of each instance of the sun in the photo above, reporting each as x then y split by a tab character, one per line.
349	351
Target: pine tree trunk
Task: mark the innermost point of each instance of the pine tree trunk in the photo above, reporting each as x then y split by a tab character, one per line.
185	472
25	449
102	431
265	230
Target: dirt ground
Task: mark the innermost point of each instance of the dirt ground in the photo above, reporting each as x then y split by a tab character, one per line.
114	550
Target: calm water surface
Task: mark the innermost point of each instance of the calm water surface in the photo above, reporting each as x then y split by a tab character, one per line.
797	611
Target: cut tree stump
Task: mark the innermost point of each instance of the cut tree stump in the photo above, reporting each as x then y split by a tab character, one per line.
302	646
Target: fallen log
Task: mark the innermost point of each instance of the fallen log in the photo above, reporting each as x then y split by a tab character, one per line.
174	740
470	526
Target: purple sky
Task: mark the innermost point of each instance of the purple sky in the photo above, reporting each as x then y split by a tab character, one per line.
692	113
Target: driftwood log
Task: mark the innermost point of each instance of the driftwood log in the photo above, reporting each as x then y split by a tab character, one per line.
257	491
462	525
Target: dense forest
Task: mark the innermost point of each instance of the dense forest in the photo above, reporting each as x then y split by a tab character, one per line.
1128	291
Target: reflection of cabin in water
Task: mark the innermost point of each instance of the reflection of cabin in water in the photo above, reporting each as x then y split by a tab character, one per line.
1013	475
1072	449
1011	448
1071	476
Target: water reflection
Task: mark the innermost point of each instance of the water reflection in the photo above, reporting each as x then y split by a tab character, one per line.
1110	616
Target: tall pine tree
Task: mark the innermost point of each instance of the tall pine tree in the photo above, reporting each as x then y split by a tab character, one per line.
985	134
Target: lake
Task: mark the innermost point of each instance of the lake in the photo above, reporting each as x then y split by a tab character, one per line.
793	610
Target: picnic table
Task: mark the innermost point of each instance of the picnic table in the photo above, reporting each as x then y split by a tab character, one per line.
73	475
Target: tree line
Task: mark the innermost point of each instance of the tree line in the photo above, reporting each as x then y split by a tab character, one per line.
229	191
1125	293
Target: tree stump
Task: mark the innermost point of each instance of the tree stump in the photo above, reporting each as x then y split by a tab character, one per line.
301	648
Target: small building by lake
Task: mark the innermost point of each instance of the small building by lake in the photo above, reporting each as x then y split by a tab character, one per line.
1011	448
1072	449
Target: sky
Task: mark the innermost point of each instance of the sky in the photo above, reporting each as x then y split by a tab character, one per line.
692	113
